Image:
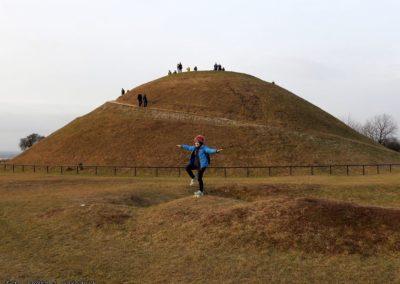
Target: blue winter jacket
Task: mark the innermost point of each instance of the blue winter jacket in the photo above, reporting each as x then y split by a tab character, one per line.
202	154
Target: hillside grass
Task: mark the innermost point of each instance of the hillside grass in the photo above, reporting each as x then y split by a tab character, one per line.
293	131
114	134
133	230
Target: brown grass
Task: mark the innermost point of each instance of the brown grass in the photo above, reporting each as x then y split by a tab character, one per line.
294	131
282	229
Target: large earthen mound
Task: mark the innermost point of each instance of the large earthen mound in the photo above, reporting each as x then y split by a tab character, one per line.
256	122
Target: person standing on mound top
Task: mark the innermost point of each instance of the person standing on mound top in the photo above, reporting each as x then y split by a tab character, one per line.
199	160
179	66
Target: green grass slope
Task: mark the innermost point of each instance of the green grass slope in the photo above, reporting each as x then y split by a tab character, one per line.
257	123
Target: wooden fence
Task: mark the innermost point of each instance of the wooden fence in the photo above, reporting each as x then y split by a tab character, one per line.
238	171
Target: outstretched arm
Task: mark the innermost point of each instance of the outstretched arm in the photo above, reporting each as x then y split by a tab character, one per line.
186	147
212	151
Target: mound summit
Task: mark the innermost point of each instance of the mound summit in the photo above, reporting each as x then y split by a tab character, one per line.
256	122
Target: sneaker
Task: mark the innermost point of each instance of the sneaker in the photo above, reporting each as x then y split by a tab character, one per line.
193	181
198	193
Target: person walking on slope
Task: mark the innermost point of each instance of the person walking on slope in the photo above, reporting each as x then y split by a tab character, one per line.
199	160
140	99
144	100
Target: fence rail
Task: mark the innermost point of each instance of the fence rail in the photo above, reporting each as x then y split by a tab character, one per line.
229	171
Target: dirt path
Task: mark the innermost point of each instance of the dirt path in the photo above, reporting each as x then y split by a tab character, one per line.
180	115
159	113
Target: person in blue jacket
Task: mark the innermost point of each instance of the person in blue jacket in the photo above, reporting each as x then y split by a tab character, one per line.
199	160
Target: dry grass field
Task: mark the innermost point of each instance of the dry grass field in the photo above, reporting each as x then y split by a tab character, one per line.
145	230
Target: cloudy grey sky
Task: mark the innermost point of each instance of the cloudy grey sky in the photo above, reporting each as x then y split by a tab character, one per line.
61	58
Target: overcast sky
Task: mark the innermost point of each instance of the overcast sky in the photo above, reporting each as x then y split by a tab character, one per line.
59	59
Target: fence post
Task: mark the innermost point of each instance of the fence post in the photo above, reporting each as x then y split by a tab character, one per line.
135	171
390	168
179	172
312	170
377	169
269	171
330	170
61	169
247	172
13	168
115	171
34	168
156	172
363	170
347	169
225	172
77	170
23	168
290	170
47	169
95	170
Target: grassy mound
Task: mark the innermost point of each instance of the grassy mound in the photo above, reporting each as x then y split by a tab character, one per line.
306	224
256	122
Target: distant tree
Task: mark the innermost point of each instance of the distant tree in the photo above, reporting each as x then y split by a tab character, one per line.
393	144
381	128
29	141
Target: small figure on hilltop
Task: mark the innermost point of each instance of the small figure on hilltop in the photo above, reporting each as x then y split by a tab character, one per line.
140	99
199	160
169	72
218	67
144	100
188	69
195	68
174	71
122	92
179	67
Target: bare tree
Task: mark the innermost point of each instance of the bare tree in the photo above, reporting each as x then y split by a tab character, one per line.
381	128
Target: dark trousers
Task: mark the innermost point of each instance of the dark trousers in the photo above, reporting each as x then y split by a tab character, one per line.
190	168
140	102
